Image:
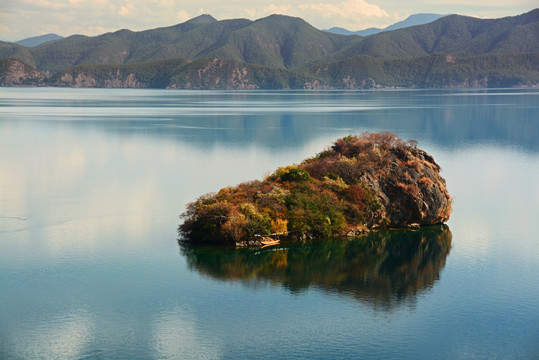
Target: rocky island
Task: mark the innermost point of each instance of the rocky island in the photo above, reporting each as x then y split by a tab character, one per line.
374	180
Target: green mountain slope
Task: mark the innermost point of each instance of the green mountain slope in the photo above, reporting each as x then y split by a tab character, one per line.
277	41
10	50
285	52
197	42
123	46
283	42
438	70
454	34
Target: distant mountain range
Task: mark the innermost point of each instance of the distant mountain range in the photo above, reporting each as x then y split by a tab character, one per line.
286	52
412	20
38	40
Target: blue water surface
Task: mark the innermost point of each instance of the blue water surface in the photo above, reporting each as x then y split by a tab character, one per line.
92	182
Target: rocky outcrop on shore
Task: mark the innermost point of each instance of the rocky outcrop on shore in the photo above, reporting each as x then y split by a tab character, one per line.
14	72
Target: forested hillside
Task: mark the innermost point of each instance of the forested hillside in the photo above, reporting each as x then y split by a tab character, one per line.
285	52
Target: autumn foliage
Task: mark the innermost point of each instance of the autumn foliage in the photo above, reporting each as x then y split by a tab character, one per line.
375	179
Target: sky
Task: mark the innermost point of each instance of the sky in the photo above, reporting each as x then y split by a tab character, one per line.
20	19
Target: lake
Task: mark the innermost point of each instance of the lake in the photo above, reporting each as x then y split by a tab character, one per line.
92	183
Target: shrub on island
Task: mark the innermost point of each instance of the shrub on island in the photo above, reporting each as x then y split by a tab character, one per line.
361	182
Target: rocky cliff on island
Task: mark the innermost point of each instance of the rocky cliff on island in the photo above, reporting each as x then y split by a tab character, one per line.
375	180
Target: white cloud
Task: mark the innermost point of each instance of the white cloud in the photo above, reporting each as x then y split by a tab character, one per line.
353	14
124	11
348	9
182	15
175	336
66	337
277	9
46	4
350	13
167	3
4	30
95	30
251	13
490	4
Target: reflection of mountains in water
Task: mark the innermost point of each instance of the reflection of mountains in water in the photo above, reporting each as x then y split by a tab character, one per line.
278	120
383	268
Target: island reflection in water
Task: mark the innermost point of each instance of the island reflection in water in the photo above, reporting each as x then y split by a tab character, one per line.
385	268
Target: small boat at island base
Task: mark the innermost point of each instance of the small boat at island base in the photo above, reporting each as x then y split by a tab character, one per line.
267	241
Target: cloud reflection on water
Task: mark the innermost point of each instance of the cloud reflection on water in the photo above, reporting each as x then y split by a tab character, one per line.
65	336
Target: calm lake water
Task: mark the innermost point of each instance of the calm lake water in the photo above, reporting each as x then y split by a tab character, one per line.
92	183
